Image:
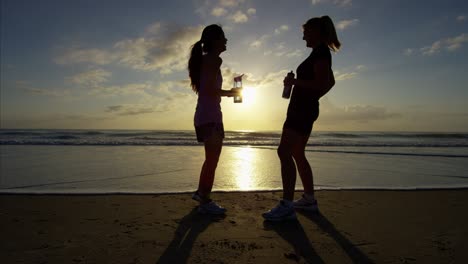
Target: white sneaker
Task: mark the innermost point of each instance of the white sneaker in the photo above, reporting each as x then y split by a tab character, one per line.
211	208
280	213
306	204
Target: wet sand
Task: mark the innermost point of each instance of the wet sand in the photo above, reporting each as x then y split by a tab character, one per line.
428	226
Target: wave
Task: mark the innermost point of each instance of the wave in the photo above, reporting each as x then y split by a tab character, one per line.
64	137
232	138
426	135
393	153
454	187
363	152
73	141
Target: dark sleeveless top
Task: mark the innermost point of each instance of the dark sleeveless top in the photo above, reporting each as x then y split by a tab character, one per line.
303	103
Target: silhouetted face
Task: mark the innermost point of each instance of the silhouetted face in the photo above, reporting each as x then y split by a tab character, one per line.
219	45
311	35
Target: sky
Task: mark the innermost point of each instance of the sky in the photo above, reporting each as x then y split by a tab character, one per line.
114	64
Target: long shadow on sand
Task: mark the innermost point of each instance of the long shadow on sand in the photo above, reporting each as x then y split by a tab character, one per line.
190	226
356	255
293	233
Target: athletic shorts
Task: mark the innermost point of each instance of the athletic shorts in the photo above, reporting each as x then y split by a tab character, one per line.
301	123
205	131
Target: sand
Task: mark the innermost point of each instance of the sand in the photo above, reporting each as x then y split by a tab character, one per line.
354	227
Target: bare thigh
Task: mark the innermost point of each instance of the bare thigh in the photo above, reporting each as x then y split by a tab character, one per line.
213	146
292	142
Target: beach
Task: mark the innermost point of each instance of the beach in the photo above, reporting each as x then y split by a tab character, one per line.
355	226
75	196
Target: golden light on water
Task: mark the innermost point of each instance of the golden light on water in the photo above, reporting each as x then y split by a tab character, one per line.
244	164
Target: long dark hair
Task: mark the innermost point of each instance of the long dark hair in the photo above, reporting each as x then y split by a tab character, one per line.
204	45
327	31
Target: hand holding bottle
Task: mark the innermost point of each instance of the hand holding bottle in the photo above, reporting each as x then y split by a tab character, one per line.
287	82
235	92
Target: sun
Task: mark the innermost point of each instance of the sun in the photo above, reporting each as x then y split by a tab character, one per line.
248	95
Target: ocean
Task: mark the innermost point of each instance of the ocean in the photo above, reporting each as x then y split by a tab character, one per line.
141	161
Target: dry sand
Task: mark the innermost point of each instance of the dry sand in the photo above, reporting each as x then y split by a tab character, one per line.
353	227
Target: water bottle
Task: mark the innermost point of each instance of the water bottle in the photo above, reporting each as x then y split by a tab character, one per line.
288	88
238	87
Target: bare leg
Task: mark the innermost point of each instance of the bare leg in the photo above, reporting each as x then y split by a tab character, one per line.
288	169
213	148
303	166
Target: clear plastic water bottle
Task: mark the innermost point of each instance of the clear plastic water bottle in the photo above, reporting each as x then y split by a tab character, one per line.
288	88
238	86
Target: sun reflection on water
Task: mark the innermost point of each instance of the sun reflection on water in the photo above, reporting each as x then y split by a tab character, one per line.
244	164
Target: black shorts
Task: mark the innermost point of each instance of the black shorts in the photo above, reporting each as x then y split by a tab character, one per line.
205	131
301	123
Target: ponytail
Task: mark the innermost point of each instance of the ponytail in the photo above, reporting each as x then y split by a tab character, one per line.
329	33
194	66
204	45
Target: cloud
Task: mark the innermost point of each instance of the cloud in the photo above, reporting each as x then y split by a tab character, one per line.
81	117
239	17
279	48
268	80
340	3
141	89
329	113
167	88
349	73
281	29
165	52
154	28
130	110
163	49
251	11
408	51
450	44
260	41
233	11
170	98
23	83
26	86
95	82
361	67
47	92
345	76
114	108
274	48
77	55
91	78
230	3
456	42
295	53
434	48
461	18
343	24
218	11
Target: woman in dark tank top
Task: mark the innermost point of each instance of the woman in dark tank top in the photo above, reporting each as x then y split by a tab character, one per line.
303	108
314	80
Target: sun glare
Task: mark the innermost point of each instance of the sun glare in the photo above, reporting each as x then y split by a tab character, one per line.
248	94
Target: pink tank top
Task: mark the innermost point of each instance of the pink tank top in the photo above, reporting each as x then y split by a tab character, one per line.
208	107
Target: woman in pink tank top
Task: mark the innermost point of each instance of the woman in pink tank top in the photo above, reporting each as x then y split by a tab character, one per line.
205	75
